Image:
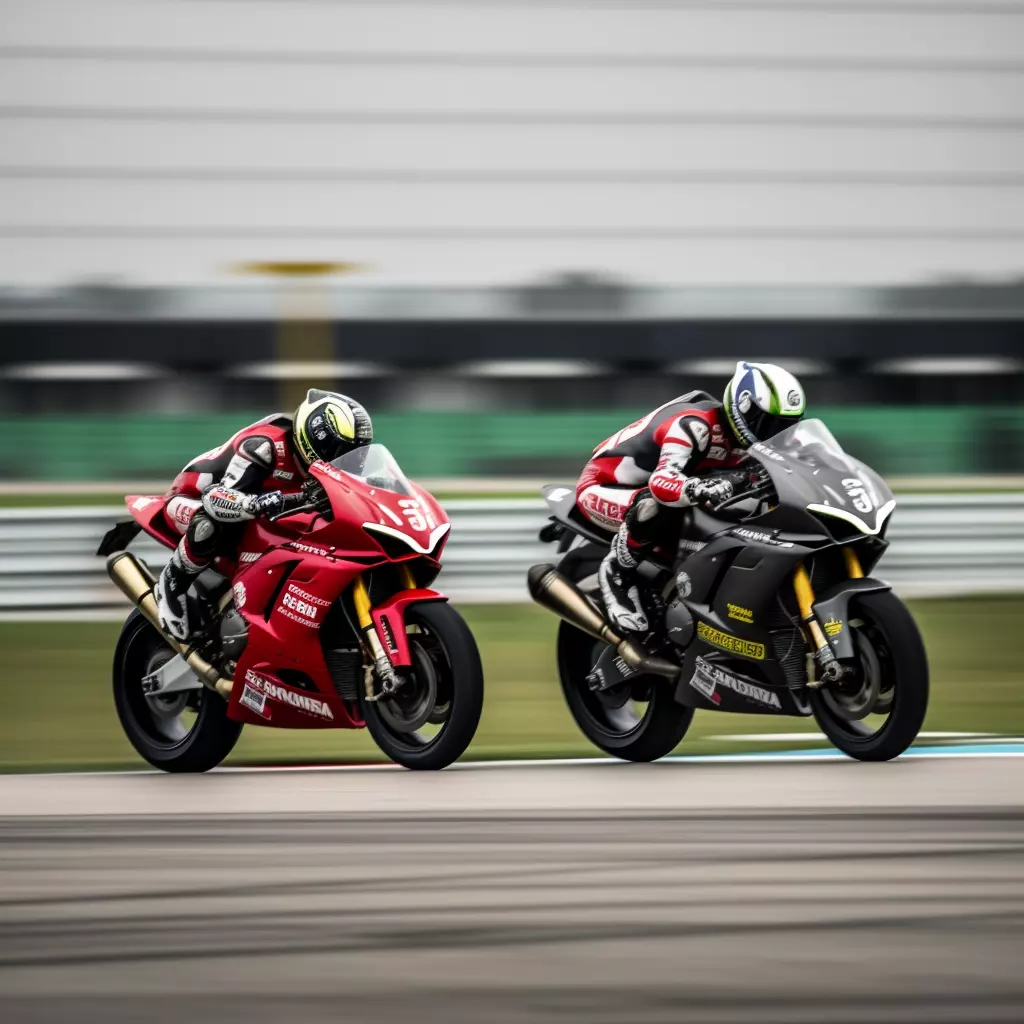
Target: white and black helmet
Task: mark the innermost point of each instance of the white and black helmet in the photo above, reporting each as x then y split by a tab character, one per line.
760	400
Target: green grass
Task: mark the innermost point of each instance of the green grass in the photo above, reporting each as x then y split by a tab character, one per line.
56	709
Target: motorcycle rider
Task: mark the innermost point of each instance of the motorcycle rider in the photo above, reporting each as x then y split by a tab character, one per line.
260	471
639	478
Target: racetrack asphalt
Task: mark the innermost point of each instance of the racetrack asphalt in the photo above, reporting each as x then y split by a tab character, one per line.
774	891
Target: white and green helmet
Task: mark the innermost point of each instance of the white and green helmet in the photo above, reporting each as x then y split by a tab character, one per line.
762	399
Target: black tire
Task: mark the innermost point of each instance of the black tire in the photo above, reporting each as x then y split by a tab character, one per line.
445	648
889	637
211	735
616	729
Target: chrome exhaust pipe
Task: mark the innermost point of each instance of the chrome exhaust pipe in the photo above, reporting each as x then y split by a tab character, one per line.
551	590
134	580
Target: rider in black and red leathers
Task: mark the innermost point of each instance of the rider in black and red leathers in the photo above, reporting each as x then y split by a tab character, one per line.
664	461
260	471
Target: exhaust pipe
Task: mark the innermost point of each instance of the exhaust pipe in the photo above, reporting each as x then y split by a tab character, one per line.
134	580
550	589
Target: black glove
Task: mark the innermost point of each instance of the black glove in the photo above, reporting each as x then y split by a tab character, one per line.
707	492
269	504
313	493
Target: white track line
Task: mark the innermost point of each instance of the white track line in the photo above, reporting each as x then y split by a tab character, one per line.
777	757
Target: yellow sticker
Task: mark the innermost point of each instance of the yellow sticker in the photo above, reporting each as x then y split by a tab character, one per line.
728	642
833	627
739	613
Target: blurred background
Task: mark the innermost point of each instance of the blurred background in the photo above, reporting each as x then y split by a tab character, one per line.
508	229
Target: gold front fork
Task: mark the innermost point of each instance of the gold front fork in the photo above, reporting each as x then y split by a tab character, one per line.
853	569
830	668
361	600
405	574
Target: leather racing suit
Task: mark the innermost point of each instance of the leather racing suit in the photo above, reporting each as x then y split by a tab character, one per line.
256	472
638	479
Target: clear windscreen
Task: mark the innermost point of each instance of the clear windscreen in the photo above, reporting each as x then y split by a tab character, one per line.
375	466
812	442
809	468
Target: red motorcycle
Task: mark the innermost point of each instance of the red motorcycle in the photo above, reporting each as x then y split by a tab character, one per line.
325	621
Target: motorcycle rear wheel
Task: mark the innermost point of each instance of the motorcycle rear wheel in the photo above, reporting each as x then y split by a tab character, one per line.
445	691
895	671
613	719
183	732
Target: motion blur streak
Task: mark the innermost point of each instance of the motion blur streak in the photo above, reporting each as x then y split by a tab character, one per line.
668	907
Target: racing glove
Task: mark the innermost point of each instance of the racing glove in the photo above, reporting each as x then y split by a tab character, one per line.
707	492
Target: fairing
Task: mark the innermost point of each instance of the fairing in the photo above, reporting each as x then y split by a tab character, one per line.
810	471
291	572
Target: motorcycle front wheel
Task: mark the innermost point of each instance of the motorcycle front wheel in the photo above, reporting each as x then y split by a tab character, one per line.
430	720
187	731
876	715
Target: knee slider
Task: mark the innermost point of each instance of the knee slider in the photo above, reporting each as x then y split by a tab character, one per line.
204	535
641	519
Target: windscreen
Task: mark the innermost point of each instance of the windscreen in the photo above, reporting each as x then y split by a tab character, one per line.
810	470
812	442
375	466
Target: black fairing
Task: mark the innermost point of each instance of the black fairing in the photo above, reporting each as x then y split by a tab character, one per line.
747	638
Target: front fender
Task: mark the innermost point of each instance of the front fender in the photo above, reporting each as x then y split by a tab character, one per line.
389	622
833	612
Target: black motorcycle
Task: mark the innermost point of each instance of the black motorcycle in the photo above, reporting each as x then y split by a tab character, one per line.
764	608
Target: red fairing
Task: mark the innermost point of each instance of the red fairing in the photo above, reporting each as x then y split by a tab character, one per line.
389	621
148	511
289	574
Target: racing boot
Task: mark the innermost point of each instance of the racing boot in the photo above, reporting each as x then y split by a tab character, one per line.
620	586
171	590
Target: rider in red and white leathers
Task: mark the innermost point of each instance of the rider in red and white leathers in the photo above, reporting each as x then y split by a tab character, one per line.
260	471
637	478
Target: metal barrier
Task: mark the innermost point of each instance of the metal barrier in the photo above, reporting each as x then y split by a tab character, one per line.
941	545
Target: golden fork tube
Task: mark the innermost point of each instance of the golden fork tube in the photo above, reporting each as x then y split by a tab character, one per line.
408	581
805	602
853	569
361	600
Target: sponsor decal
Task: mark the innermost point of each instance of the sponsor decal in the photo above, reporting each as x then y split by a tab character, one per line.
793	398
309	549
181	512
857	490
717	452
283	474
294	588
603	510
239	591
329	471
304	612
746	400
728	642
706	677
684	584
140	503
300	701
702	684
758	537
833	627
739	613
248	556
281	449
769	453
254	700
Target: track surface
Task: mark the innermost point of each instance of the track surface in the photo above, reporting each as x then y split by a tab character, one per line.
598	894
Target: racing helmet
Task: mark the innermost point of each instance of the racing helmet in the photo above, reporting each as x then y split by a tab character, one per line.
327	425
760	400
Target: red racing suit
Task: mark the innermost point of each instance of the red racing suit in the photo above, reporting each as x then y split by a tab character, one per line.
258	458
686	437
